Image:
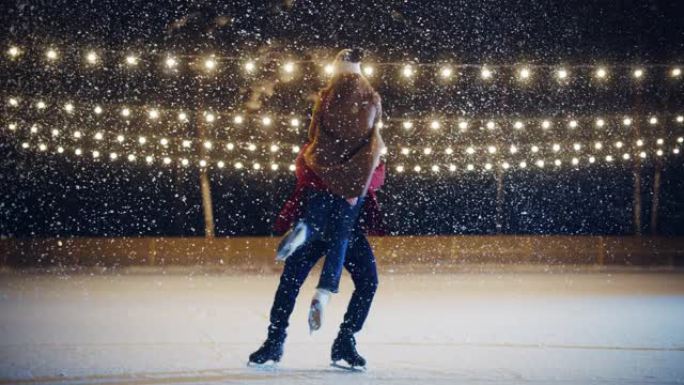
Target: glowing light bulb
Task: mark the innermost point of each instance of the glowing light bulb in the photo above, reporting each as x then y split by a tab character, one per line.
149	159
638	73
627	121
619	144
488	166
405	151
14	51
625	156
142	140
485	73
491	149
676	72
208	144
674	151
230	146
274	148
24	145
13	127
463	125
202	163
131	60
113	156
427	151
524	73
250	66
660	141
125	112
609	158
291	167
238	119
639	142
91	57
546	124
120	138
490	125
523	164
41	105
601	73
598	145
239	165
96	154
407	124
209	64
680	139
77	134
34	129
182	116
449	151
534	148
539	163
185	162
51	54
329	69
289	67
400	168
153	114
452	167
368	70
295	149
220	164
600	122
562	74
166	160
274	166
131	158
653	120
470	150
556	147
171	62
575	161
209	117
505	165
434	125
642	154
97	110
266	121
407	71
446	72
42	147
573	124
186	143
417	168
60	149
78	151
380	124
294	122
470	167
69	107
13	102
513	149
557	162
659	152
518	125
251	147
680	119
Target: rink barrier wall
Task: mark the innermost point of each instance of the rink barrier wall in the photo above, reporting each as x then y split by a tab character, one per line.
258	252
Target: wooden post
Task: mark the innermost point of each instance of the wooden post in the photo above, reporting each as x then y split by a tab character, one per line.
636	198
499	200
205	185
656	197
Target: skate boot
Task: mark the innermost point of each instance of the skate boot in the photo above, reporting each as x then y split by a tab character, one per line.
293	240
270	350
344	348
318	302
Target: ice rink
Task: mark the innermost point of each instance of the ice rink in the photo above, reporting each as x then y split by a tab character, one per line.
472	326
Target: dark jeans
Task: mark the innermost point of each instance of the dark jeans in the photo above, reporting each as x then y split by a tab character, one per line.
359	262
331	219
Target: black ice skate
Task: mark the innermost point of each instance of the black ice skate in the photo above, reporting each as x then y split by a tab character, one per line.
271	350
344	348
293	240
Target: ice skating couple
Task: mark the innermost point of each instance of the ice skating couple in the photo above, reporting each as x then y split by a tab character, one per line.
338	172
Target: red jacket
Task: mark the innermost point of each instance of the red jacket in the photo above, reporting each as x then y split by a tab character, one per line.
306	178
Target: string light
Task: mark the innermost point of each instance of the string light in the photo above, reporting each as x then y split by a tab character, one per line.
208	144
407	71
676	72
69	108
220	164
185	162
523	164
513	149
239	165
209	117
209	64
598	145
153	114
203	163
627	121
449	151
186	143
42	147
405	151
485	73
562	73
294	122
97	110
251	147
680	119
171	62
13	102
488	166
400	168
434	125
463	125
14	51
452	167
427	151
250	66
91	58
638	73
120	138
96	154
230	146
142	140
407	124
572	124
368	70
274	166
546	124
600	122
131	158
41	105
329	69
164	142
98	136
524	73
125	112
132	60
446	72
149	159
113	156
266	121
51	54
274	148
182	116
238	119
518	125
470	150
653	120
470	167
166	160
535	149
78	151
639	142
490	125
601	73
289	67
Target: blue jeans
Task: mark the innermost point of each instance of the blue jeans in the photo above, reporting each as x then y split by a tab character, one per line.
359	262
330	219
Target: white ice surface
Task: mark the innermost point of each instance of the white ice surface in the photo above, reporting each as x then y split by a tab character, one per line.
496	327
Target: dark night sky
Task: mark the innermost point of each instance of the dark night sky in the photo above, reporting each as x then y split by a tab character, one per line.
51	195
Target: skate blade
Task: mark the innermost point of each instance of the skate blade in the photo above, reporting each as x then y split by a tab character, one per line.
291	243
267	366
356	369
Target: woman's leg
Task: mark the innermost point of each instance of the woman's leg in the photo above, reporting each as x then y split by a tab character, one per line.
360	263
